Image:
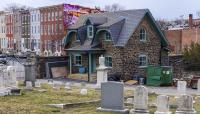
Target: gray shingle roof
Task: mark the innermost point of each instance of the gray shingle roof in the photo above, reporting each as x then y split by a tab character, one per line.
132	19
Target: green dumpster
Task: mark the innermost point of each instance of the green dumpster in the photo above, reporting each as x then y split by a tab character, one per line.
159	75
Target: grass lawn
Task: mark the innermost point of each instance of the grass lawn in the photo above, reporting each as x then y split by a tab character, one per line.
34	102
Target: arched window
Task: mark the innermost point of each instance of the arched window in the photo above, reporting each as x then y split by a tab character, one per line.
143	35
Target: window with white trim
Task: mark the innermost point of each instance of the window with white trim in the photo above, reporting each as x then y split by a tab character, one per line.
143	35
78	60
108	61
143	60
107	36
90	31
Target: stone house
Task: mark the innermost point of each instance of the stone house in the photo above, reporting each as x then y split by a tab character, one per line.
130	40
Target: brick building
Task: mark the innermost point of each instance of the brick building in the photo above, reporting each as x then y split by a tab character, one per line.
17	28
180	38
2	29
25	35
130	41
9	42
54	22
35	29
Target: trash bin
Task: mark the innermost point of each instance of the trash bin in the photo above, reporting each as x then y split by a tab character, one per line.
159	75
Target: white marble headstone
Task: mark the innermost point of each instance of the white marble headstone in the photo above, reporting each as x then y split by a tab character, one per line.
181	87
37	84
84	91
162	105
68	86
56	86
141	98
198	86
29	85
185	105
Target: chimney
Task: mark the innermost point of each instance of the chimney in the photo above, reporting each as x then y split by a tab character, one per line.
190	20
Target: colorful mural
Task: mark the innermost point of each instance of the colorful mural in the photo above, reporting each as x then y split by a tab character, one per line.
72	12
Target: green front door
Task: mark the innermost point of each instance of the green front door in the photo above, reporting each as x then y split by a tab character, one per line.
93	63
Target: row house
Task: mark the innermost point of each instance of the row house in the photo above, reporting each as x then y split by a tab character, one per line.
35	29
17	24
52	30
55	21
41	28
9	43
25	38
2	30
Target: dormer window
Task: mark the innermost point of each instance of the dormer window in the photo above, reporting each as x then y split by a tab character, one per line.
143	35
107	37
90	31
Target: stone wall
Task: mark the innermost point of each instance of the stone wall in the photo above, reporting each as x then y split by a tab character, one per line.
40	64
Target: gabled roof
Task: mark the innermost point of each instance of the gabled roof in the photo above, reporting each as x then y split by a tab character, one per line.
129	20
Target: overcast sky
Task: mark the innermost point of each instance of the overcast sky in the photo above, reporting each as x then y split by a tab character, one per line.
167	9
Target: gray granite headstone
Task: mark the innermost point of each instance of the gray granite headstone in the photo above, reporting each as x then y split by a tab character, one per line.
185	105
112	97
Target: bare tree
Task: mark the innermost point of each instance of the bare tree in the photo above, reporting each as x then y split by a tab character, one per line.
13	7
114	7
198	13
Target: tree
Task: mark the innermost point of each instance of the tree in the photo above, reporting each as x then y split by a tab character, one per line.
191	55
13	7
114	7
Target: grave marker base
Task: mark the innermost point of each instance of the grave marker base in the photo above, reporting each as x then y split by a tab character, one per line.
139	111
186	112
124	111
162	112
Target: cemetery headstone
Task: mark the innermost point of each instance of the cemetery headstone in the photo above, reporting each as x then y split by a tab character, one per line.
181	87
68	86
140	101
163	105
56	86
84	91
185	105
112	97
29	85
198	87
102	71
37	84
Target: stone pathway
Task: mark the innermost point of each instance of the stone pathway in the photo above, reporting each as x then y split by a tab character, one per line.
158	90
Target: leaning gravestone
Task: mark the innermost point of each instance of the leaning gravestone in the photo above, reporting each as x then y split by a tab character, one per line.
140	101
163	105
181	87
112	97
185	105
